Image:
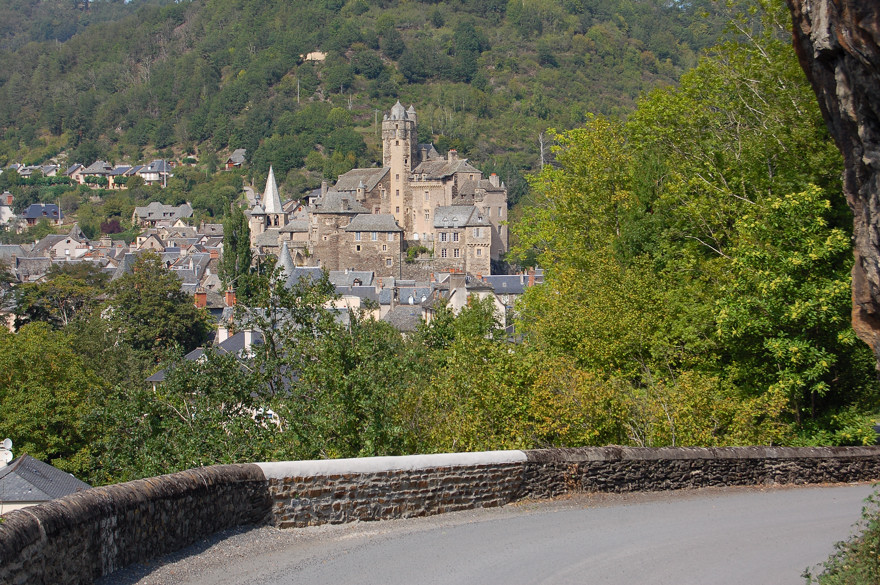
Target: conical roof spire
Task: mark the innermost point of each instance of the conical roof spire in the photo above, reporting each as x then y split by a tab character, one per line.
287	267
271	199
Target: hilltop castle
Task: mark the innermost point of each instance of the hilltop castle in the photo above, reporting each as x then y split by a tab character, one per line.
370	217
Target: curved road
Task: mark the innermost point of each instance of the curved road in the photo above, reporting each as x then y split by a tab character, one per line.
713	536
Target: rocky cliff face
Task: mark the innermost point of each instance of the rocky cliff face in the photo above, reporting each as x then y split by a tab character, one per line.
837	44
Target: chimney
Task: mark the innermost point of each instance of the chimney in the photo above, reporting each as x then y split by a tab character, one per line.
222	333
324	187
493	179
248	339
230	298
201	298
531	277
452	155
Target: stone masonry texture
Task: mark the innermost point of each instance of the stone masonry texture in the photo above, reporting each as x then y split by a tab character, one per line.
81	537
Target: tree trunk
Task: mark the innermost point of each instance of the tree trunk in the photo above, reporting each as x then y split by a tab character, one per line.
837	45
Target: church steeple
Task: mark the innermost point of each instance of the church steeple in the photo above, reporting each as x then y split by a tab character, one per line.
275	214
271	199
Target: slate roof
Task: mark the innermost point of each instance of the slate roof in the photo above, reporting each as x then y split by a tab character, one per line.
7	251
362	292
268	238
468	187
157	211
458	216
237	157
157	166
231	345
297	226
441	168
512	284
373	222
347	277
29	480
30	269
99	167
404	318
212	229
336	202
41	210
349	181
312	272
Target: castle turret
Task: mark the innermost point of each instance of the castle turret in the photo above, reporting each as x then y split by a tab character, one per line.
399	153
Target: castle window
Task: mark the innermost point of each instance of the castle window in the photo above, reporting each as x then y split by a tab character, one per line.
397	209
499	212
384	247
357	236
426	195
442	236
443	253
374	236
387	261
358	248
397	143
456	253
479	251
454	236
427	216
476	232
397	194
390	236
397	177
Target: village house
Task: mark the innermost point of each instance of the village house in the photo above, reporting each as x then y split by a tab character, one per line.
150	215
236	159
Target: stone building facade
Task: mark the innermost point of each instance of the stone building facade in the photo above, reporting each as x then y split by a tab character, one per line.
417	198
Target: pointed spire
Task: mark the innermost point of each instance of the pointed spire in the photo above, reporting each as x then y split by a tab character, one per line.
271	199
287	267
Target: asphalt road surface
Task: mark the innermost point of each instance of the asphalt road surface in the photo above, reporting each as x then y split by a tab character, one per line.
713	536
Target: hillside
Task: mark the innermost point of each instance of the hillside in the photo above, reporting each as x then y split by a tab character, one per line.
127	81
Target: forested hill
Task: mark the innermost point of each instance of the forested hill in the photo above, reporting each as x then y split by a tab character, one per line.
125	81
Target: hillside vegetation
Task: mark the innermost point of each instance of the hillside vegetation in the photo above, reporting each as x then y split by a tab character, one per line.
127	81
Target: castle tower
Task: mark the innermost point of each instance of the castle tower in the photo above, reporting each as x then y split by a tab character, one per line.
399	150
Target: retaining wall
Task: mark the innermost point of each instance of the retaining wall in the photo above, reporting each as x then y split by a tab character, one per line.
81	537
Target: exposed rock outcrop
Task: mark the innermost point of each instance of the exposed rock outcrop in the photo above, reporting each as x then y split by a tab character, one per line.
837	44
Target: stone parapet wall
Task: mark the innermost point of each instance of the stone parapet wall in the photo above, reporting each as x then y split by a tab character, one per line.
381	488
553	472
81	537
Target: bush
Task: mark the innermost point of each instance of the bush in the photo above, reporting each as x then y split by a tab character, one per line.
857	560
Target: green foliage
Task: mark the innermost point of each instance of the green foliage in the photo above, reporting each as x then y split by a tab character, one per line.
857	560
694	262
235	264
47	392
121	80
148	311
68	292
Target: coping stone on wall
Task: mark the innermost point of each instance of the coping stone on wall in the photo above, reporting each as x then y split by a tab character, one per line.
282	469
617	453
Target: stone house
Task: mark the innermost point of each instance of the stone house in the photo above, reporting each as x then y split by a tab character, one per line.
150	215
372	242
68	246
37	212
